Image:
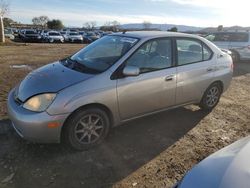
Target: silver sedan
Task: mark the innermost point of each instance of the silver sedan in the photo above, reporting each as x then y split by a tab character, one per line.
117	78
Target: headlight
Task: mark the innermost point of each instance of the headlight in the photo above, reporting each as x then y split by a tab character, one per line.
39	103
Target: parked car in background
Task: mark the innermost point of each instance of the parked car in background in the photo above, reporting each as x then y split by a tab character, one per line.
106	33
54	36
82	33
74	37
91	36
237	42
64	34
30	35
118	78
84	36
43	34
227	168
9	34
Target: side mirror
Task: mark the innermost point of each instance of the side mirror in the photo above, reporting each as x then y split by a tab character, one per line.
131	71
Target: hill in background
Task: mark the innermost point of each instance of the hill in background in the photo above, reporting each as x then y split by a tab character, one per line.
182	28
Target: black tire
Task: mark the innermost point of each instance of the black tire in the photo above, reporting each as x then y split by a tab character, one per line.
209	101
77	127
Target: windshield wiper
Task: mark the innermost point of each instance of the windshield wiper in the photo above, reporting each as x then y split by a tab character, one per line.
75	65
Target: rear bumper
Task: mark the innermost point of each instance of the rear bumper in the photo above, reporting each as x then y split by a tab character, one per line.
33	126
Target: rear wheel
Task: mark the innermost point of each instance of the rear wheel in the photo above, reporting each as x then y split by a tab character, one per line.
86	128
211	97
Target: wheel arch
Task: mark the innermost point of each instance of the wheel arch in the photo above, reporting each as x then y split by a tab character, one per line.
87	106
220	83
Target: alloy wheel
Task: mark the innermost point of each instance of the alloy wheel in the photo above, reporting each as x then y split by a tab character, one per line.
213	96
89	129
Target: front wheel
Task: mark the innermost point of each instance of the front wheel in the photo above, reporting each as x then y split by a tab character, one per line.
211	97
86	128
51	40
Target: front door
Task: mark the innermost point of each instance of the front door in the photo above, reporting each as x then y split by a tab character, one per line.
154	89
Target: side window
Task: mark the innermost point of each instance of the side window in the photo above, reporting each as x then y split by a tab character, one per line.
153	55
189	51
207	53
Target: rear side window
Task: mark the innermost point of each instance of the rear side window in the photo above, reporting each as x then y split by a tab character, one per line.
207	53
192	51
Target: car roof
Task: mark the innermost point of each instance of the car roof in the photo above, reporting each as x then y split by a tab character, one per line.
154	34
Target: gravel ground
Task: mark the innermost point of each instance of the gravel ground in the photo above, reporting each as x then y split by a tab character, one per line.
155	151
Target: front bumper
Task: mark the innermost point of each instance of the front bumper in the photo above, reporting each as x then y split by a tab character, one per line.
33	126
76	40
56	39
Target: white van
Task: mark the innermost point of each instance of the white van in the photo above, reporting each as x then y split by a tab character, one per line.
237	42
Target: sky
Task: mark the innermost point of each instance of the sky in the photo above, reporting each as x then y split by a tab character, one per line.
202	13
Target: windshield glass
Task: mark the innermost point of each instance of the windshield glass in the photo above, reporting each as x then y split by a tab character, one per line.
90	34
103	53
54	34
73	34
31	32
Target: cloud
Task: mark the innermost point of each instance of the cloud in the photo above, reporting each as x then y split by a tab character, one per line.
189	12
227	12
78	18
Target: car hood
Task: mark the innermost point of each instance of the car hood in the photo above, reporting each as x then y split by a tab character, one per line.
50	78
227	168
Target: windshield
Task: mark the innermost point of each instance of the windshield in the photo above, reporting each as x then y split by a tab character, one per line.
31	32
54	34
103	53
7	31
73	34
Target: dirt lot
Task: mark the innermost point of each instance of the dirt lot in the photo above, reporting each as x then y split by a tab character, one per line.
151	152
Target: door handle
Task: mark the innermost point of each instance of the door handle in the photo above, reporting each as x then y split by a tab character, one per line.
169	78
210	69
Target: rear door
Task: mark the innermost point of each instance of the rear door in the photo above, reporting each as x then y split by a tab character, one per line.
195	70
152	90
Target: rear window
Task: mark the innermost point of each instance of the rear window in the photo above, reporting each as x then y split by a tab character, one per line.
54	34
228	37
31	32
